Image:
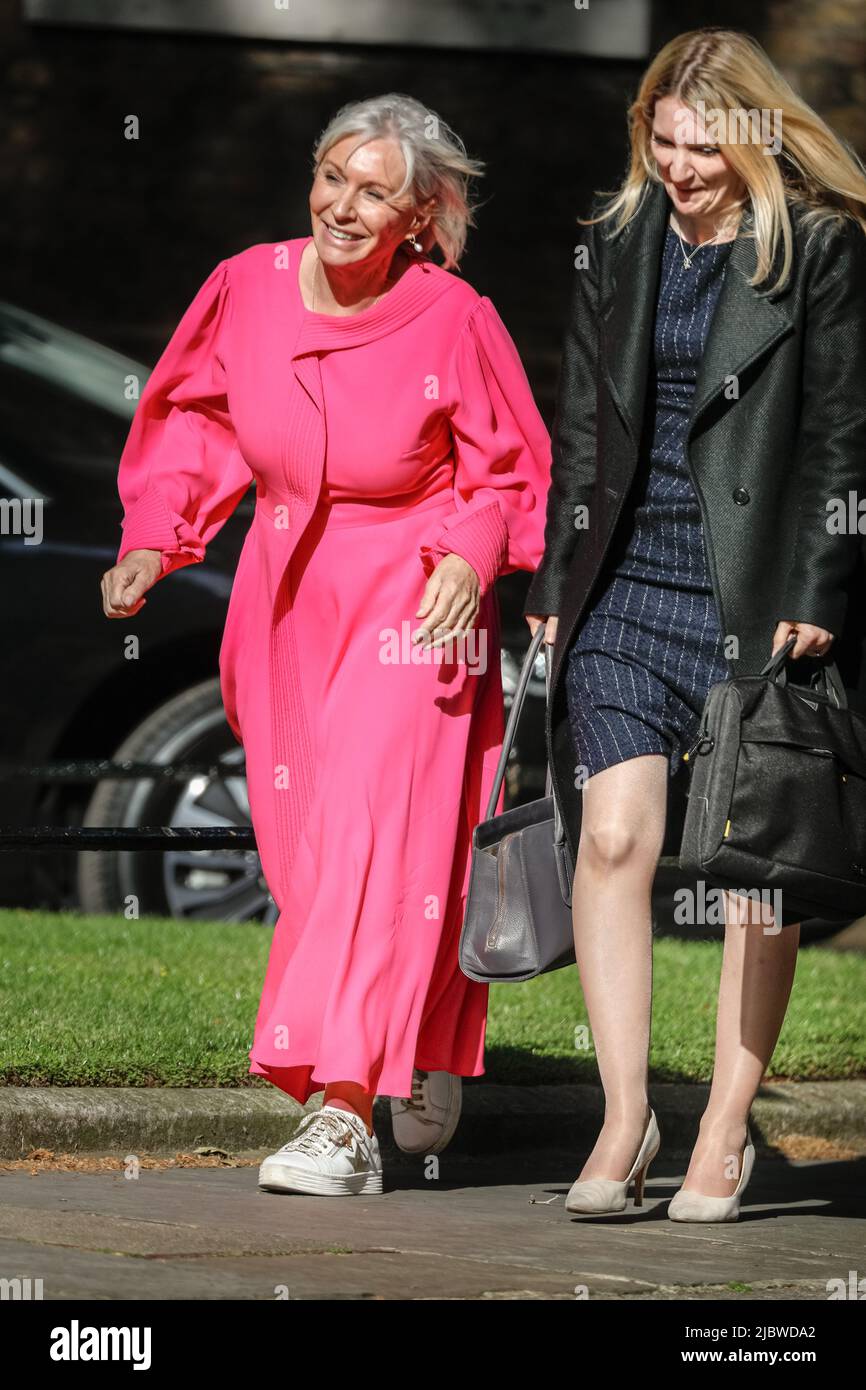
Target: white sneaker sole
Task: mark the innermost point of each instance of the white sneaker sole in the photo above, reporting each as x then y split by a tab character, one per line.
446	1133
444	1139
281	1177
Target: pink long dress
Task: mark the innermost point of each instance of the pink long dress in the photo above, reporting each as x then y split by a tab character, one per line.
378	442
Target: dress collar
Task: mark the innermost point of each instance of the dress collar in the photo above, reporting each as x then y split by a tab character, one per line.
420	284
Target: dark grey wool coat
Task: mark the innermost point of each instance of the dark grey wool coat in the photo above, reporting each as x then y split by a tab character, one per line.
766	452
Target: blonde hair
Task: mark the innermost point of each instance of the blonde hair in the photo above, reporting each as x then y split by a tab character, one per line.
437	165
729	72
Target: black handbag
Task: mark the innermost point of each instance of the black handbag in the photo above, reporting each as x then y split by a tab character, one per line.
777	792
517	922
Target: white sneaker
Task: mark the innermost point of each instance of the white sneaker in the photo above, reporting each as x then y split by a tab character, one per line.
425	1122
331	1155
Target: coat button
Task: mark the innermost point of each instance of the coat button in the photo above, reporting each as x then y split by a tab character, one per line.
741	496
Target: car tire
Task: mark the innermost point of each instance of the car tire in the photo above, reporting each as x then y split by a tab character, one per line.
214	885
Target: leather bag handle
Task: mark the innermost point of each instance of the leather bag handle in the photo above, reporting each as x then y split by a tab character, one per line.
834	688
514	717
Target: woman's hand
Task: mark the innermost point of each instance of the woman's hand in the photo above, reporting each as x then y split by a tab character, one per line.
450	602
123	586
811	641
550	626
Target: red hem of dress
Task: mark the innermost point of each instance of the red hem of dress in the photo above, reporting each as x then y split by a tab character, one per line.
301	1091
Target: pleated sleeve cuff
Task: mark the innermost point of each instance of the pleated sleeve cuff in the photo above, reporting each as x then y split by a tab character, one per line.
480	536
149	524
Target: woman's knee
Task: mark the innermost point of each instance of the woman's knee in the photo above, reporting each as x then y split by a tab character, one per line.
623	816
611	843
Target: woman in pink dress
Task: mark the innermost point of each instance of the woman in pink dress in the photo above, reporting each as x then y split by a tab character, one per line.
401	465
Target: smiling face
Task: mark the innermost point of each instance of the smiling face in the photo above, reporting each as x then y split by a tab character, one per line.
697	177
355	213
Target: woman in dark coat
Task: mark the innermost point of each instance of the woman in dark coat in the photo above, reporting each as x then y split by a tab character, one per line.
711	412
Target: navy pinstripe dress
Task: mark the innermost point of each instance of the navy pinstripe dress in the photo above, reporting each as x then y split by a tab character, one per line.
646	655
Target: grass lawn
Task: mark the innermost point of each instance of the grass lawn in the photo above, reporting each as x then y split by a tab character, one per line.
100	1001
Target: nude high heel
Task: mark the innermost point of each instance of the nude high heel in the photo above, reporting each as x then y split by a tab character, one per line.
607	1194
694	1206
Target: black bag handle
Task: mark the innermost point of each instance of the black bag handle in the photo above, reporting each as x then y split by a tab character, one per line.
834	687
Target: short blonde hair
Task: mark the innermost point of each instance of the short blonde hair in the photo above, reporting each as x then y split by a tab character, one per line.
437	165
815	169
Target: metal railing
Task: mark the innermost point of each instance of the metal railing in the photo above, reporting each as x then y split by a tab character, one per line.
145	837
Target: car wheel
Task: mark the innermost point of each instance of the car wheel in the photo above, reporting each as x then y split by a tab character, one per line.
224	885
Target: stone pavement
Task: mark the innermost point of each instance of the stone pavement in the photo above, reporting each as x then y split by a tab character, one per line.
473	1232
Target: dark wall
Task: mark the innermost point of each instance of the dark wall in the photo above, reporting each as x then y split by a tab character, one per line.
112	236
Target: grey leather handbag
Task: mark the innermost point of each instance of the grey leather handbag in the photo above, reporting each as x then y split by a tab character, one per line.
517	922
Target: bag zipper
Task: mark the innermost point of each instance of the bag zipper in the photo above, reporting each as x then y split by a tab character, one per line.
496	925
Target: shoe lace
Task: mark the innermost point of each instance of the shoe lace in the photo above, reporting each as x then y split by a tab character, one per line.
320	1130
418	1098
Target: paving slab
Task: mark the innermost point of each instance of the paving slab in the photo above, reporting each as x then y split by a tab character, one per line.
480	1230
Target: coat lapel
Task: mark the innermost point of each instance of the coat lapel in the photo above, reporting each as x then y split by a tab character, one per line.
745	324
627	324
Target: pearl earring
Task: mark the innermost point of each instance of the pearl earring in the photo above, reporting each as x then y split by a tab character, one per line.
416	244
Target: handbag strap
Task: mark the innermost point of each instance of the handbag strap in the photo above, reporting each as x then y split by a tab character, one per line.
513	718
558	827
834	686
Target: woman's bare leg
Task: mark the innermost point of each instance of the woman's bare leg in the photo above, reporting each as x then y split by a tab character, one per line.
757	974
622	833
